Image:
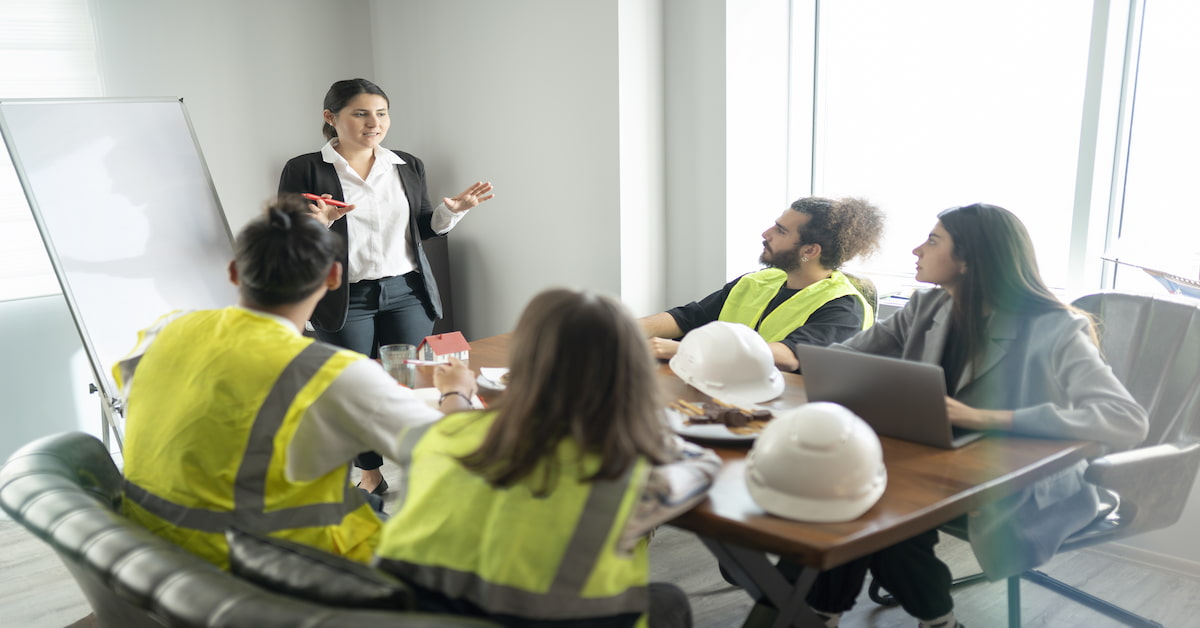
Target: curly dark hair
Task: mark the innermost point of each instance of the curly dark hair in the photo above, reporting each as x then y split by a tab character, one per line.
284	254
845	228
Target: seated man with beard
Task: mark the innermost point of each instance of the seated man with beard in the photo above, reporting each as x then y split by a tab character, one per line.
801	297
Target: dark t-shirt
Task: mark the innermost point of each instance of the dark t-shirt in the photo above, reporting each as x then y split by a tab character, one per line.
833	322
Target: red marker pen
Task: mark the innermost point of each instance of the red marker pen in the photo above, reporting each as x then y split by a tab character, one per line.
328	201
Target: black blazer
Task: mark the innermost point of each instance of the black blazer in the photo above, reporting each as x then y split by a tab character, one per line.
311	173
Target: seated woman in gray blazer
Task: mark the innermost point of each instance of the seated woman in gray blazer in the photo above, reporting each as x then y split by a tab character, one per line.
1017	360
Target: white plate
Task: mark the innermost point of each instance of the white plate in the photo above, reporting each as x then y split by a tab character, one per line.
713	432
489	377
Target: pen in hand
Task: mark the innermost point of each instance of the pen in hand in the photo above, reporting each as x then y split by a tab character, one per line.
328	201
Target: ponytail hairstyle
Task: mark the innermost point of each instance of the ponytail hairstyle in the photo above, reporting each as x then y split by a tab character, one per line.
285	254
1001	271
341	93
845	228
580	369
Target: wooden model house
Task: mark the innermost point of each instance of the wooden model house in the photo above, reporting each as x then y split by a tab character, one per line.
442	346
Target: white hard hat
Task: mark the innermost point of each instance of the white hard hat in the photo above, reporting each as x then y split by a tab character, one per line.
728	361
819	462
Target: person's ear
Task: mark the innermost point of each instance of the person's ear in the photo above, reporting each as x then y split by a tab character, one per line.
811	251
233	272
328	115
333	280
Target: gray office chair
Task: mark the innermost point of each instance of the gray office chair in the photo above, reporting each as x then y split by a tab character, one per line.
1152	344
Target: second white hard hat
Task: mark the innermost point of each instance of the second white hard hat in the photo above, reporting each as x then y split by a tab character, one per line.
728	361
819	462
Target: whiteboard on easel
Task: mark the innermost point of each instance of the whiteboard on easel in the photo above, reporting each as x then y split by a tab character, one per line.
128	213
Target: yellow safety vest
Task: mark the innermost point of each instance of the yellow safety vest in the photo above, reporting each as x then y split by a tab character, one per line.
506	550
752	294
215	402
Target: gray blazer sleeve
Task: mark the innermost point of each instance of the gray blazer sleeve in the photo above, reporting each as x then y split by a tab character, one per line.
915	333
1074	393
1046	369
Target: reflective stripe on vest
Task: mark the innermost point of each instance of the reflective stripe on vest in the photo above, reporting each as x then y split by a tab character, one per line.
752	294
589	579
564	599
250	486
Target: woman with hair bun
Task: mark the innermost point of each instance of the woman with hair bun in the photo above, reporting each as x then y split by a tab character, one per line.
234	417
390	295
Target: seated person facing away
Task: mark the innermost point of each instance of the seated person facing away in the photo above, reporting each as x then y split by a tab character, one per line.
537	511
802	297
1016	359
234	417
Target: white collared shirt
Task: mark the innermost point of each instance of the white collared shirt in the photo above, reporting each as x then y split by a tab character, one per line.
362	409
378	227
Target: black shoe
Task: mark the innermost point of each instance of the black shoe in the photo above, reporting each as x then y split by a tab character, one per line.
379	490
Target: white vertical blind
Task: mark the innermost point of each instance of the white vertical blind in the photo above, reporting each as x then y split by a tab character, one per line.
47	50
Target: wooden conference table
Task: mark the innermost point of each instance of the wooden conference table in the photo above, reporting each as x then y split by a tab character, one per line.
926	488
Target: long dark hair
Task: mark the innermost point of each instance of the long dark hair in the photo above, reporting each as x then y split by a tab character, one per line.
1001	271
580	369
341	93
284	254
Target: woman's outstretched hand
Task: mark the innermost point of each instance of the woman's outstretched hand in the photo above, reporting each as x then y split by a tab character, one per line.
475	194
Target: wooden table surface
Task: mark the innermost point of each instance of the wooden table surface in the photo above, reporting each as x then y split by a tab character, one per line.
926	486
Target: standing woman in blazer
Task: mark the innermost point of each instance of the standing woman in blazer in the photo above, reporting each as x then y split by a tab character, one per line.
1017	360
390	295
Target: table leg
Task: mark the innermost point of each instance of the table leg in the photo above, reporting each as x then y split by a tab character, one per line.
755	573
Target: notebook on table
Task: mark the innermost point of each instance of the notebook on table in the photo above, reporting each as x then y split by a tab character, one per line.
898	398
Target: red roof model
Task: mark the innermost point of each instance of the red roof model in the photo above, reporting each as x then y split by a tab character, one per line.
449	343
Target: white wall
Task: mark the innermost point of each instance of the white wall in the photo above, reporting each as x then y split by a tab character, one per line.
641	153
523	93
251	74
694	81
44	375
756	96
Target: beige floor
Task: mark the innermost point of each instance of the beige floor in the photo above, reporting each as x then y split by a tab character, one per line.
37	592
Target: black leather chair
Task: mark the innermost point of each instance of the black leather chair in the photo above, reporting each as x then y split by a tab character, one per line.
1153	346
65	489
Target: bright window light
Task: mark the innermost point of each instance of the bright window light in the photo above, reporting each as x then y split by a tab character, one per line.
47	50
926	106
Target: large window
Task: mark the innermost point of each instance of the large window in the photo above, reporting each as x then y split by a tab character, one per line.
47	50
1160	223
1077	116
930	105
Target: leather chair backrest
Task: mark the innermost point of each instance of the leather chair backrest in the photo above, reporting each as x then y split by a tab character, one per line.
66	490
1153	346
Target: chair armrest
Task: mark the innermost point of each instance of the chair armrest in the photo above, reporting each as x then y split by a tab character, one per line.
1153	482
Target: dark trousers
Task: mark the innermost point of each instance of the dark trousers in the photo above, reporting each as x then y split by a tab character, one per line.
382	312
909	570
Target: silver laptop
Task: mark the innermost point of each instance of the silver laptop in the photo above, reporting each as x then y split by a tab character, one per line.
897	398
